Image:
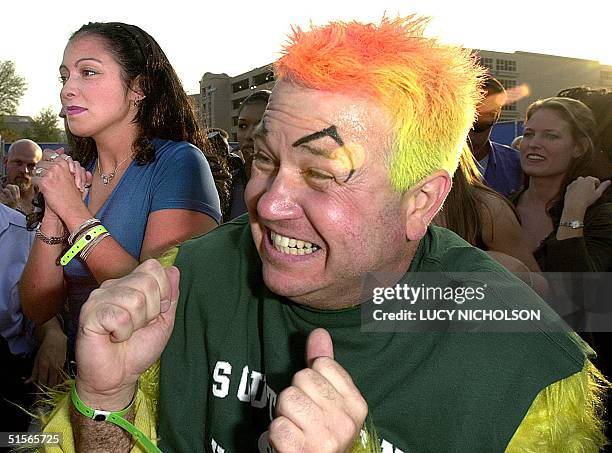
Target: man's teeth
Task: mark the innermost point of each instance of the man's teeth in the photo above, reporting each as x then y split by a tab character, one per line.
292	246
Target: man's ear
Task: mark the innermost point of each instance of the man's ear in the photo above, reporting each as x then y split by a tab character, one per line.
422	202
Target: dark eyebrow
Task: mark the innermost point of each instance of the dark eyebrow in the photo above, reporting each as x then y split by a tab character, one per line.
327	132
82	59
557	131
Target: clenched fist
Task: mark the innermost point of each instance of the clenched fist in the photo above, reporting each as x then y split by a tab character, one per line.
123	328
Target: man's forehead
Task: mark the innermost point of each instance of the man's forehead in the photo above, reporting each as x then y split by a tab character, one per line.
313	110
25	151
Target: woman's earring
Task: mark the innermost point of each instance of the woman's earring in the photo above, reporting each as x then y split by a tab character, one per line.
136	102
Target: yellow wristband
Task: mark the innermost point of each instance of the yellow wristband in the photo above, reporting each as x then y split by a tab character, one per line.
81	243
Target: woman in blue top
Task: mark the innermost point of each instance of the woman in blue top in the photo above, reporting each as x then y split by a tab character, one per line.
151	186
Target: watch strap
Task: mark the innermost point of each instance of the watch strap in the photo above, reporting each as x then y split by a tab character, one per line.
51	240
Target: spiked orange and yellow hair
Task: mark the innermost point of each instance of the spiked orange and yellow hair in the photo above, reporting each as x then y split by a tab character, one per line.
429	89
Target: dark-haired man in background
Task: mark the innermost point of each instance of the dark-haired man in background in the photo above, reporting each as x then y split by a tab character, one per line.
499	164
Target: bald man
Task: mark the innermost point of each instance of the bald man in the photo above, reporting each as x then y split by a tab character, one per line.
17	190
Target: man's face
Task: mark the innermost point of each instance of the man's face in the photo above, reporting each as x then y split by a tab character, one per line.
20	163
322	211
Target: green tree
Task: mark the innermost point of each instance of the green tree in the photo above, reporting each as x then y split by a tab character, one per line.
7	134
12	88
44	127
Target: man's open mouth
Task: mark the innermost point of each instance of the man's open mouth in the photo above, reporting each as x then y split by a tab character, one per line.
292	246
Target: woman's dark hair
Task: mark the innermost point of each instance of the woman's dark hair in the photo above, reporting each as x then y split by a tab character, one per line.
592	162
164	112
211	130
259	97
464	211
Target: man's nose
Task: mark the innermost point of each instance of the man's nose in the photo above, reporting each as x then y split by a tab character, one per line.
280	201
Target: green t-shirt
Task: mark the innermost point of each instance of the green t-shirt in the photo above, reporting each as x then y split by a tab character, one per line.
235	347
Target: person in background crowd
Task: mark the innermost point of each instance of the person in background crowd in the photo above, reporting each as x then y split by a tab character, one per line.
17	191
516	142
22	360
566	209
484	218
353	159
600	103
219	138
145	185
499	164
218	142
249	116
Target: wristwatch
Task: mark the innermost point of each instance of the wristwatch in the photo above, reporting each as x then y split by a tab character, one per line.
573	224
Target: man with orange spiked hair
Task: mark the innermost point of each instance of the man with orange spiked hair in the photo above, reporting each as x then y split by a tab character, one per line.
275	336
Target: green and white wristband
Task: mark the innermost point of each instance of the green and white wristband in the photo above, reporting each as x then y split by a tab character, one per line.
113	417
79	245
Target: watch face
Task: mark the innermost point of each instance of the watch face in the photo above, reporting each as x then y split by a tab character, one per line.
573	224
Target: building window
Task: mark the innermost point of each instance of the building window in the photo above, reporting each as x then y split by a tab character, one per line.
505	65
237	102
262	78
240	85
606	76
508	84
486	62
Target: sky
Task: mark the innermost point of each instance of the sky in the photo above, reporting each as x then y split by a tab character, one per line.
235	36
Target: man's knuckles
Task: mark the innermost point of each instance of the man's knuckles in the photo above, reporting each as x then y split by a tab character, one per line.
359	407
285	436
144	282
310	380
326	364
127	299
333	372
113	317
293	400
107	283
345	427
150	265
141	282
